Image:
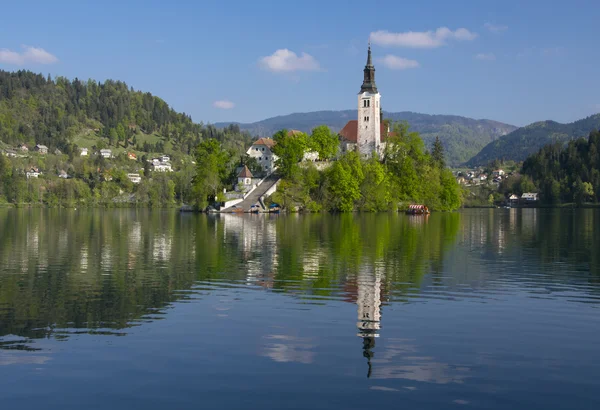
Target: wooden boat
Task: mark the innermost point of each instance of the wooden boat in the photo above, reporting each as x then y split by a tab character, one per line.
417	210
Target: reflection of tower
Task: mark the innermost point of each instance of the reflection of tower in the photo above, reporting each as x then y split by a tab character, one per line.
369	311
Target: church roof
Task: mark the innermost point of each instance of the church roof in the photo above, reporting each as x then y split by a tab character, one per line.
245	173
368	84
350	131
269	142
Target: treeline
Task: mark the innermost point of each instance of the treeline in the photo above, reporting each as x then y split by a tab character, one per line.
40	110
92	181
566	174
407	173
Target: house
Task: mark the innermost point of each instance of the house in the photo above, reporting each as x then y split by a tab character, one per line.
33	173
498	173
23	148
513	199
261	149
461	180
529	196
165	158
63	174
483	177
106	153
135	178
244	180
84	152
160	167
42	149
131	155
10	153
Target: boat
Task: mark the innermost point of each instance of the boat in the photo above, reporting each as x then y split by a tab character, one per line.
417	210
274	208
254	209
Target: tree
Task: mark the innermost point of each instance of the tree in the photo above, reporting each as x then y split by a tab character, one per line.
437	153
324	142
211	171
289	149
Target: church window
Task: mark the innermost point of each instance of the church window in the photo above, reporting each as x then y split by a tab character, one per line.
263	149
260	158
368	103
364	103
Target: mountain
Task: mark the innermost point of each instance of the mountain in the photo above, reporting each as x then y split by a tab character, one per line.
528	140
462	137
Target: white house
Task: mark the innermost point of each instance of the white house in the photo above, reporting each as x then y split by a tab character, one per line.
261	150
161	167
165	158
135	178
244	180
33	173
498	173
83	152
529	196
366	134
42	149
106	153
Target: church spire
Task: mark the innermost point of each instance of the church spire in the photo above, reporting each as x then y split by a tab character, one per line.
368	84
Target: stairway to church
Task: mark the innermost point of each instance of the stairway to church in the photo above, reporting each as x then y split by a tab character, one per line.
256	195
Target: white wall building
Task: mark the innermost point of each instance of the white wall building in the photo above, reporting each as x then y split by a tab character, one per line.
261	150
106	153
135	178
162	167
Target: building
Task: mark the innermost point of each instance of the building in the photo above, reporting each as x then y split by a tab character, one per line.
84	152
135	178
261	150
161	167
42	149
498	173
529	196
63	174
106	153
367	133
244	180
33	173
132	156
165	158
23	148
10	153
513	199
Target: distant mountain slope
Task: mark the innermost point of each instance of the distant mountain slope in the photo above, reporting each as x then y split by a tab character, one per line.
527	140
462	137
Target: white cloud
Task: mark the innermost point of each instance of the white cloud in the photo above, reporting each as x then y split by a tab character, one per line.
495	28
398	63
284	60
485	56
421	39
31	55
223	104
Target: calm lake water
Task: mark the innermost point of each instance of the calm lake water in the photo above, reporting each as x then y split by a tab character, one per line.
494	309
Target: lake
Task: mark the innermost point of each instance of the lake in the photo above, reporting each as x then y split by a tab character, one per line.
151	309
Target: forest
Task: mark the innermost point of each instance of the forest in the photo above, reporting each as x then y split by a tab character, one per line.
566	174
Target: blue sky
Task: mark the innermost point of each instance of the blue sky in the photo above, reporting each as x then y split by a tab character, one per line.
511	61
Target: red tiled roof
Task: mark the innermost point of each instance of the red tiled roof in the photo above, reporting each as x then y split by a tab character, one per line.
265	141
350	131
245	173
294	132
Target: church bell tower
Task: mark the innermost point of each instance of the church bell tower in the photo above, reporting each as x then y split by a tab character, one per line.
369	112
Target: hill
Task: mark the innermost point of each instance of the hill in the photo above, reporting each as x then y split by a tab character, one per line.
462	137
528	140
69	114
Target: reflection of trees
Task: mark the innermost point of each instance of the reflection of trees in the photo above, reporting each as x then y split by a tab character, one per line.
100	270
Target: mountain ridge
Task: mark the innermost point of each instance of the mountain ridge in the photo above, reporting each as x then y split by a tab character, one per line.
527	140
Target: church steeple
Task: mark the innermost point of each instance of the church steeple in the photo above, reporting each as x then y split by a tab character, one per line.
368	84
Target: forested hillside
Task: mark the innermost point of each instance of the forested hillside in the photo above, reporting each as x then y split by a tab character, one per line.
567	174
461	137
62	113
527	140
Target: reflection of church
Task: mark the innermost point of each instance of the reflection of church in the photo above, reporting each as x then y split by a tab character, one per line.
368	299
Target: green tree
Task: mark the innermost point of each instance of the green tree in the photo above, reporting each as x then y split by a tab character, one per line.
289	149
324	142
211	171
437	153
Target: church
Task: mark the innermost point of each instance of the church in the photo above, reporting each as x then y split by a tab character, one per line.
368	133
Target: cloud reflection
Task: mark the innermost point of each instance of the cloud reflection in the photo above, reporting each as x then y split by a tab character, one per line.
283	349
